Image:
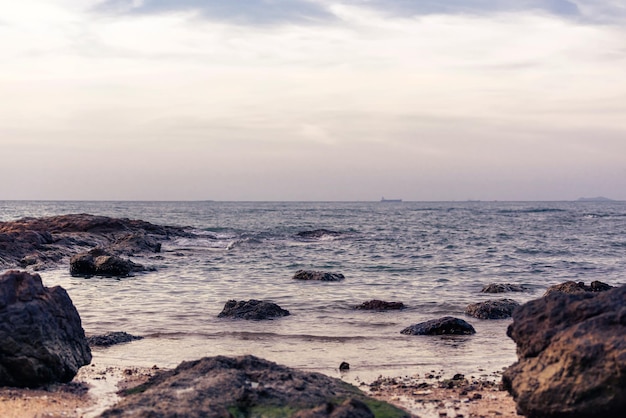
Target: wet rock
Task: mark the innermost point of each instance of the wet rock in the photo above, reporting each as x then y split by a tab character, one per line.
41	337
318	233
321	276
573	287
252	309
98	262
492	309
350	408
503	288
571	355
38	243
380	305
244	386
442	326
344	366
112	338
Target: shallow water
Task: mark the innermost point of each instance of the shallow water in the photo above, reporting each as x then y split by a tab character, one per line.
434	257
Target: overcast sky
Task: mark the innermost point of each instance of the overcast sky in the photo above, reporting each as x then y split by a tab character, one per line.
312	99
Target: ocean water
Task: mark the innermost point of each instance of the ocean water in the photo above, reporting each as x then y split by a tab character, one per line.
435	257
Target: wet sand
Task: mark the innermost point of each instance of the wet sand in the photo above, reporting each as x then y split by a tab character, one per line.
95	389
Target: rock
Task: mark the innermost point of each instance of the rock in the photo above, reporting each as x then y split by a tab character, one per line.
98	262
41	337
321	276
442	326
492	309
503	288
344	366
38	243
252	309
380	305
112	338
350	408
318	233
571	355
573	287
244	386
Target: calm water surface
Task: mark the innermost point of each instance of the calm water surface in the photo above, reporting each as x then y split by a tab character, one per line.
434	257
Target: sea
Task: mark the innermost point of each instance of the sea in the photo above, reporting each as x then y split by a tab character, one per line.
435	257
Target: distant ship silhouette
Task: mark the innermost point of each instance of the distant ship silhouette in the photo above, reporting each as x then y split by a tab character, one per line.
390	200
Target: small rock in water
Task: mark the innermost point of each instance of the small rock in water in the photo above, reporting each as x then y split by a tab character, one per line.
503	288
112	338
447	325
252	309
344	366
321	276
380	305
573	287
492	309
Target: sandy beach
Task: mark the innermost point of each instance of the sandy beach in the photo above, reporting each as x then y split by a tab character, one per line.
95	389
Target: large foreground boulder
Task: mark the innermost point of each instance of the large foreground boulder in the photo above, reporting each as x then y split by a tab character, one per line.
443	326
572	355
252	309
41	337
246	386
492	309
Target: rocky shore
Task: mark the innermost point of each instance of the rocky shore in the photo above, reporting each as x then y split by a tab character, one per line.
571	346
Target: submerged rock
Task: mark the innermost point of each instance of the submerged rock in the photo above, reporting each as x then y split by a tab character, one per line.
246	386
318	233
503	288
380	305
492	309
321	276
442	326
112	338
571	355
252	309
41	337
573	287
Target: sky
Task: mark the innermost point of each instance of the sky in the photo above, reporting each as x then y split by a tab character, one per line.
312	100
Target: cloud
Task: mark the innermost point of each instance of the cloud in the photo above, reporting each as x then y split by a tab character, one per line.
239	11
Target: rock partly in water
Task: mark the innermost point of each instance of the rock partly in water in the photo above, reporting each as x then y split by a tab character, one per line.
380	305
447	325
112	338
39	243
503	288
578	287
41	337
98	262
571	355
321	276
252	309
246	386
318	233
492	309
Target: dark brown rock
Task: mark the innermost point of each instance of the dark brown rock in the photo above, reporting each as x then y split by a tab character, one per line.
574	287
244	386
380	305
98	262
318	233
111	338
571	355
492	309
442	326
503	288
321	276
39	243
41	337
252	309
